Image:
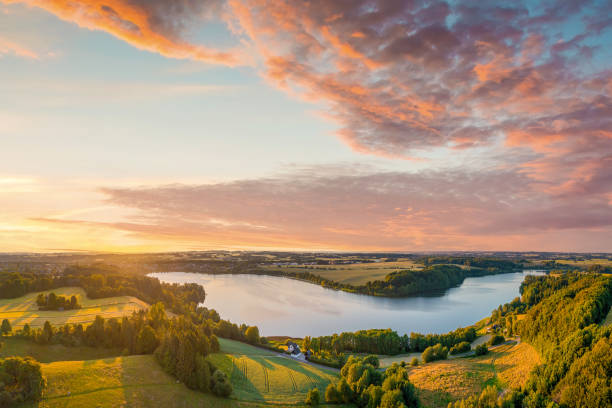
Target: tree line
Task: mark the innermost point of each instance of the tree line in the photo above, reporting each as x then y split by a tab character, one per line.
386	341
493	264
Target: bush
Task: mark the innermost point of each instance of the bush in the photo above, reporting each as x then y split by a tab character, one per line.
221	385
481	350
462	347
146	341
21	380
433	353
252	334
313	398
496	339
6	327
331	394
414	362
372	360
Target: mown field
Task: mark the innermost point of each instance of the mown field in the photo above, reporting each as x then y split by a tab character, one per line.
259	375
441	382
354	274
22	310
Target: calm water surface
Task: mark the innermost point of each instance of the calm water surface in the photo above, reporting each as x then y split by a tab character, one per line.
281	306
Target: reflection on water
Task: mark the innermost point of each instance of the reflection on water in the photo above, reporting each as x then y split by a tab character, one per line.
281	306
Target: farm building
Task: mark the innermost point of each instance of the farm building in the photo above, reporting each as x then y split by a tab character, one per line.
293	348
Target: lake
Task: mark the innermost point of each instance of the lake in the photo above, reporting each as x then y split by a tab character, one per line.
282	306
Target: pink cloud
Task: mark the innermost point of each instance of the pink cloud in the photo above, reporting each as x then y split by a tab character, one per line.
369	210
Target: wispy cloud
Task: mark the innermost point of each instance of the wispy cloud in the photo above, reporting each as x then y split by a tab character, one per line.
8	47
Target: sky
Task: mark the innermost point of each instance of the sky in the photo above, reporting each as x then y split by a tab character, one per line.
382	125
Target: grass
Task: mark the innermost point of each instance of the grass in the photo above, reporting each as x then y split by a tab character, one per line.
22	310
131	381
514	363
441	382
354	274
56	352
259	375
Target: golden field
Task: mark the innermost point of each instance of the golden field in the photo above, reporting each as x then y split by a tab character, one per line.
22	310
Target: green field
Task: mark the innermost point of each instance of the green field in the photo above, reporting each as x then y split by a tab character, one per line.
354	274
259	375
22	310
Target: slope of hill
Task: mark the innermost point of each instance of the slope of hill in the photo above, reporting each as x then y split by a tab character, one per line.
259	375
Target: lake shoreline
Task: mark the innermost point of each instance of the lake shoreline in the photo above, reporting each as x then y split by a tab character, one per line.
351	289
294	308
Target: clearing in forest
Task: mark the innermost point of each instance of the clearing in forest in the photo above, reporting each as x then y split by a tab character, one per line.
441	382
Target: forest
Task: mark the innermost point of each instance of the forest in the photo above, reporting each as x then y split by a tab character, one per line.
562	322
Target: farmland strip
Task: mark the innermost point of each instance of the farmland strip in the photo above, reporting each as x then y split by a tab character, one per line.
295	388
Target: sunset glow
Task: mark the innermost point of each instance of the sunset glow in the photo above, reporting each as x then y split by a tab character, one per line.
149	125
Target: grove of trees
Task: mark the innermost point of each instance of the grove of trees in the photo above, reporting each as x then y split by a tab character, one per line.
362	384
54	302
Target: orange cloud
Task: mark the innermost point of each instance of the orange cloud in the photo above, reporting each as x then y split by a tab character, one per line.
141	24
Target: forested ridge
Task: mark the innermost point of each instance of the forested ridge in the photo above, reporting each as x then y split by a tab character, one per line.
563	313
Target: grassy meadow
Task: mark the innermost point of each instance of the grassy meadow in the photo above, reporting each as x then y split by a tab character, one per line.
22	310
441	382
354	274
